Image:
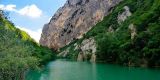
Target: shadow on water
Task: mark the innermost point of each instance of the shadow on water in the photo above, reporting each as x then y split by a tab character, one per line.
72	70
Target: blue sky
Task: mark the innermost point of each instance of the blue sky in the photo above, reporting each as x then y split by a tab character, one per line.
31	15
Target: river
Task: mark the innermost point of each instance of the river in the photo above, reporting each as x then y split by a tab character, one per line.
72	70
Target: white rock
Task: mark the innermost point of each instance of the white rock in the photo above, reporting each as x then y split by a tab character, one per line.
123	16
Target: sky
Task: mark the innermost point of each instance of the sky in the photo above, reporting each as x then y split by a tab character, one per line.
31	15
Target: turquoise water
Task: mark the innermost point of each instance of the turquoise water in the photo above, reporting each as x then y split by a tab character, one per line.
71	70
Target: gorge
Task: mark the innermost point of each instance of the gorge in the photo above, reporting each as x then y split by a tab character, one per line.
86	40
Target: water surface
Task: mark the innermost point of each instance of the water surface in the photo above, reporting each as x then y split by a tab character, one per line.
71	70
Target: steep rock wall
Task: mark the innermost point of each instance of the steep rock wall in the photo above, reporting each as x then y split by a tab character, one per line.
73	20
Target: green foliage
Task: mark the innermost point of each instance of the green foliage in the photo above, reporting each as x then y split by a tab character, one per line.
118	47
44	54
19	52
15	56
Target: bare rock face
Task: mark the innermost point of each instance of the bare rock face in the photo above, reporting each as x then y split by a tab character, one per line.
87	50
73	20
93	58
81	57
88	46
122	17
133	31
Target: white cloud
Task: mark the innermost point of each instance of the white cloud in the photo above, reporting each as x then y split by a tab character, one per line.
30	10
10	7
34	34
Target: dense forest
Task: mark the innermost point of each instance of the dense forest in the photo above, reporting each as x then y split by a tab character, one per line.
19	52
133	41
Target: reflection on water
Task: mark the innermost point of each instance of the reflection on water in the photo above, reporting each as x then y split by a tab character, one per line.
43	77
70	70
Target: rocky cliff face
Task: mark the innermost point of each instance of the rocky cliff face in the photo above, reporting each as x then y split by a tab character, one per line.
73	20
86	50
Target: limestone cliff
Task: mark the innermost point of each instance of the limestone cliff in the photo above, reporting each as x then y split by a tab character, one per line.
73	20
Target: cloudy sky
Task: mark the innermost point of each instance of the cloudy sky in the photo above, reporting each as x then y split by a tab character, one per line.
31	15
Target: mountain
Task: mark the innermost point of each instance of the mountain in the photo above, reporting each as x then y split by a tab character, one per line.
73	20
122	32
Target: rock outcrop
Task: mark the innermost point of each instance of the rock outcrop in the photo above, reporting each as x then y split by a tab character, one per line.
88	46
81	57
124	15
133	31
73	20
86	50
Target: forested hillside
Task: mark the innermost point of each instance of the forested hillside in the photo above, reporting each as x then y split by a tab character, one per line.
129	35
19	52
